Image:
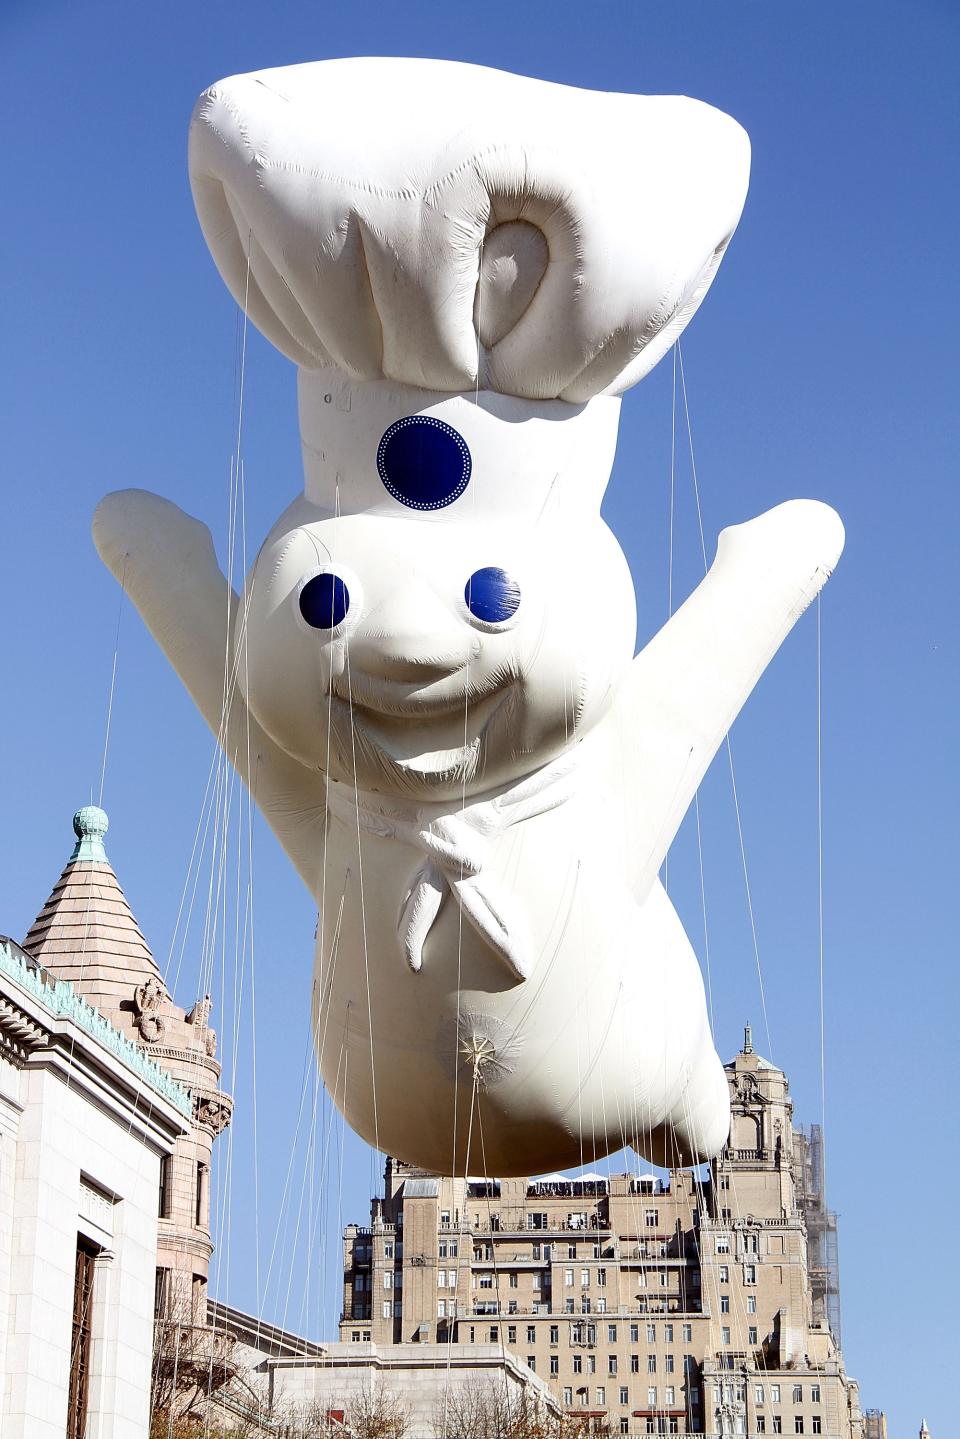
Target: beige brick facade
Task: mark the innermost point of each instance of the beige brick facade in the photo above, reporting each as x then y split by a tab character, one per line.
696	1303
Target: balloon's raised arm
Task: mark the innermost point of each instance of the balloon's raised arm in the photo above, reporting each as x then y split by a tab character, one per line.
166	562
689	683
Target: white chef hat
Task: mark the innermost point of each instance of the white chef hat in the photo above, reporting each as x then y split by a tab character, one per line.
445	225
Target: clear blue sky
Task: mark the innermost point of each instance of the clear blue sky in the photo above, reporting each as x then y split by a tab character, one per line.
822	363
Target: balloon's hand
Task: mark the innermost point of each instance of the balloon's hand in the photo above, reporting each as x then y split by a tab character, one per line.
687	686
166	562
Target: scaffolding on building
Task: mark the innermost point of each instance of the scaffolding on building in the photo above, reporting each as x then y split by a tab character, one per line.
822	1251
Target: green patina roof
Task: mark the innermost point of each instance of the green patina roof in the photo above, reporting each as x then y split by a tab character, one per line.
90	824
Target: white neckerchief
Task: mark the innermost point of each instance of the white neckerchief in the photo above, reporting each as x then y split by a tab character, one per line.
456	846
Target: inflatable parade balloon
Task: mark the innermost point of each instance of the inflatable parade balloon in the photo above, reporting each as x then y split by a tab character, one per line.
448	730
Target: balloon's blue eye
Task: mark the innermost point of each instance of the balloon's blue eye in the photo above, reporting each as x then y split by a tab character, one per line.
423	462
492	595
324	601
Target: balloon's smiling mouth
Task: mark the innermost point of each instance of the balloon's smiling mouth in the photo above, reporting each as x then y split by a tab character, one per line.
432	737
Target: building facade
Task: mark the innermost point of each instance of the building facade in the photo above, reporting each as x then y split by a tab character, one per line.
87	935
692	1304
86	1124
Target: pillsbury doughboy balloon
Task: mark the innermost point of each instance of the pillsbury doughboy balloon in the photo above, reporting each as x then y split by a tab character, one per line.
450	733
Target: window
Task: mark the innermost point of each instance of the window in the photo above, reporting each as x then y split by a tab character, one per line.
494	1333
751	1304
777	1424
591	1364
601	1277
611	1364
668	1334
724	1181
651	1218
601	1306
601	1394
511	1334
724	1303
397	1309
568	1396
473	1334
454	1249
774	1393
584	1278
513	1281
532	1362
554	1333
752	1334
814	1393
624	1394
652	1397
634	1363
688	1334
669	1397
668	1363
725	1333
761	1423
388	1279
724	1274
387	1309
569	1307
536	1221
441	1279
486	1281
571	1251
651	1425
388	1249
584	1306
554	1364
634	1333
445	1219
355	1337
577	1221
798	1396
163	1200
161	1293
624	1424
441	1309
798	1424
749	1274
531	1334
537	1251
750	1244
442	1249
663	1279
83	1279
568	1277
200	1195
611	1334
651	1363
651	1334
451	1279
578	1363
723	1243
815	1425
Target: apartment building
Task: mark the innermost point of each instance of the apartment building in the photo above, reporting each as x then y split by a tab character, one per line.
697	1302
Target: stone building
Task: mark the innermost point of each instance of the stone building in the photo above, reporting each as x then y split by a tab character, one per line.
699	1303
87	935
87	1121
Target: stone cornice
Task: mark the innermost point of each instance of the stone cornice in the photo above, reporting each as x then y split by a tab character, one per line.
49	1020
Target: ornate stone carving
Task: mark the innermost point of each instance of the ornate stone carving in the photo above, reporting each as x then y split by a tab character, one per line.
213	1110
199	1017
148	1000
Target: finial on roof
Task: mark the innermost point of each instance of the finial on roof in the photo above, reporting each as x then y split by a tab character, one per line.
90	824
747	1039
